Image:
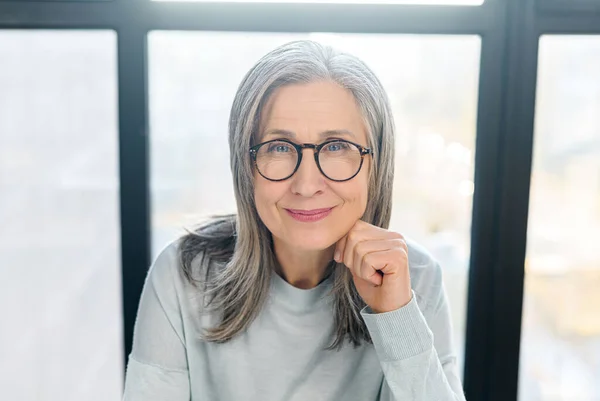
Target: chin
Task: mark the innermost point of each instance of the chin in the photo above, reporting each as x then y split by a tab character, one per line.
312	241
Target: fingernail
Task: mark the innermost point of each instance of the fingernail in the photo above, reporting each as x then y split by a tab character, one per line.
336	256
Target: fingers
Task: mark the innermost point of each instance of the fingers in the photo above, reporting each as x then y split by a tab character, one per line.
352	240
372	259
373	265
342	244
339	249
370	251
367	270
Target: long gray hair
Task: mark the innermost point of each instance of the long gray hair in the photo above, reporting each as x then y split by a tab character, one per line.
234	253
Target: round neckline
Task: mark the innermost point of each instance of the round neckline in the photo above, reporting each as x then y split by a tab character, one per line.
299	299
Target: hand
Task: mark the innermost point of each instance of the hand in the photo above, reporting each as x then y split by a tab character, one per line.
378	260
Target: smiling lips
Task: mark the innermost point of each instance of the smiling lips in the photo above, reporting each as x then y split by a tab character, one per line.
309	215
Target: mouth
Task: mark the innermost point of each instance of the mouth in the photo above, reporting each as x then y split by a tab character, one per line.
309	215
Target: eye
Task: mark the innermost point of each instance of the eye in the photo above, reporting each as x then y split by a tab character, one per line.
279	147
336	146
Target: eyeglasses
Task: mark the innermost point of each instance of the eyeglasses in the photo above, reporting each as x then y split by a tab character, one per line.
337	159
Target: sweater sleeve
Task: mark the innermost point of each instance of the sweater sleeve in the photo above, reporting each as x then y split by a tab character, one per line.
415	348
157	368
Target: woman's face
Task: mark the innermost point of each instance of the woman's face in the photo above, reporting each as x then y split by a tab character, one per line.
307	111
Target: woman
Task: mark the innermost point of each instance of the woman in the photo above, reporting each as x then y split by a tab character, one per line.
304	294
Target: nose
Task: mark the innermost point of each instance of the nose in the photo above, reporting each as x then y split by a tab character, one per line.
308	180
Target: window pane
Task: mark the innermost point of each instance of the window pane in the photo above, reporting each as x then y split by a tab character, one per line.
432	83
560	346
61	336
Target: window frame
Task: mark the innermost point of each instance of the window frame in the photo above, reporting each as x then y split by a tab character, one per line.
510	32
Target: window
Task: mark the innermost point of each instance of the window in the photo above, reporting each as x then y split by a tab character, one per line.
432	83
61	336
560	345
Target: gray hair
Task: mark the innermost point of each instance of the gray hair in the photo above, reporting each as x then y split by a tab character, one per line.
234	253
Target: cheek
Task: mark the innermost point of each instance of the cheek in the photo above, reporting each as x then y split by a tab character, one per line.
362	185
261	195
266	196
363	195
355	193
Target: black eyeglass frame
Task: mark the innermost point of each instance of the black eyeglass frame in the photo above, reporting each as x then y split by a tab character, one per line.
316	148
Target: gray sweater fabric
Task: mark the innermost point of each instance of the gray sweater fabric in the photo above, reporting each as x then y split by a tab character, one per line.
282	356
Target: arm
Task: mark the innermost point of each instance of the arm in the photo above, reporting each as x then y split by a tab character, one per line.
157	368
415	348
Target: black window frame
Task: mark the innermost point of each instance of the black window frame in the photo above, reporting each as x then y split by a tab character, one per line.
510	32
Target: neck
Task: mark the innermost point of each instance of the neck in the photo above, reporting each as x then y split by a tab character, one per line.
301	268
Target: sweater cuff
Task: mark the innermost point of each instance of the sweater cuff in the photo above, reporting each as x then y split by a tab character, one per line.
399	334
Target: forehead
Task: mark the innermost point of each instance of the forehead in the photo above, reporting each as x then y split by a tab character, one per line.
310	109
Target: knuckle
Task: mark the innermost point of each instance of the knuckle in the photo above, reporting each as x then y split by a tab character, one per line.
365	270
397	235
352	236
356	257
360	248
398	243
403	253
367	263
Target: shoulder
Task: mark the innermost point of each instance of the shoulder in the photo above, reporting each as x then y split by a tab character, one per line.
179	289
168	255
187	264
194	255
165	272
425	275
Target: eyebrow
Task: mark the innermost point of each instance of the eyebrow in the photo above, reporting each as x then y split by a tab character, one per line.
323	135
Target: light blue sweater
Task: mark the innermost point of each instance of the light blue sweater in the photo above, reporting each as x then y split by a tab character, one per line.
281	357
